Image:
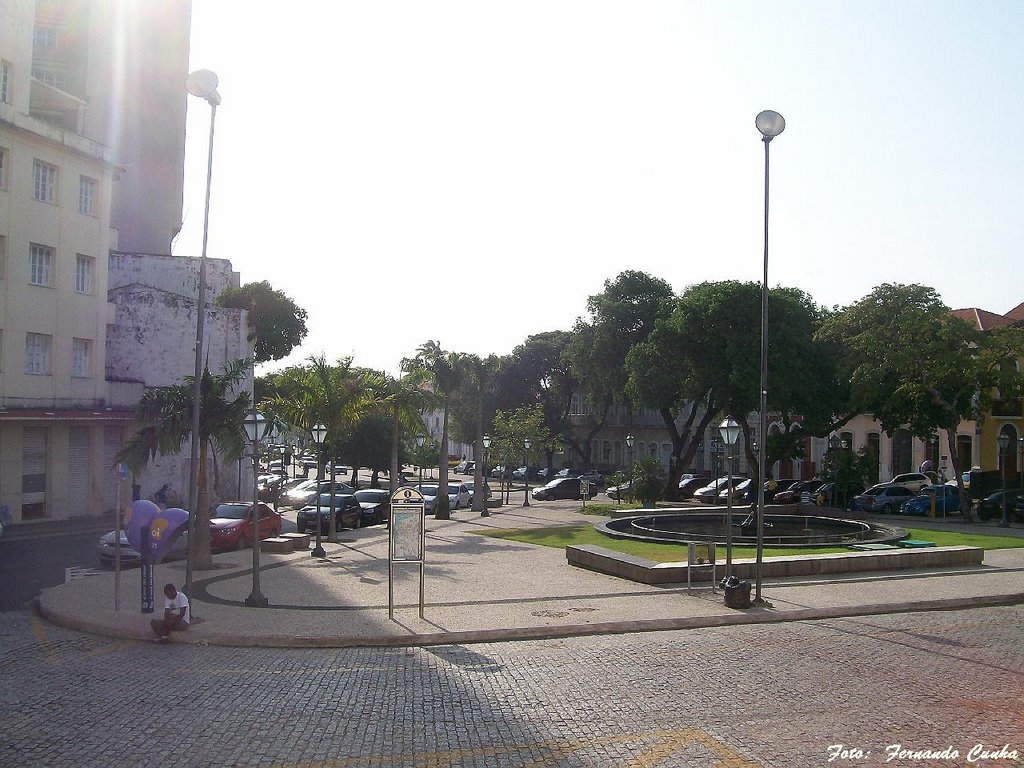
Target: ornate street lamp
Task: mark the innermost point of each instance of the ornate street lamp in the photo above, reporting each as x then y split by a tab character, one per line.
630	441
319	433
770	124
487	453
526	472
730	432
255	428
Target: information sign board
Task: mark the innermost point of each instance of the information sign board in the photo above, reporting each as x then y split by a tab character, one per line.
406	538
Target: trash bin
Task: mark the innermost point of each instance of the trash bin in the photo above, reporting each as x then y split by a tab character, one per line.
737	593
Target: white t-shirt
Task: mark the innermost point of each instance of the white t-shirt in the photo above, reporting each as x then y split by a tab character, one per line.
179	602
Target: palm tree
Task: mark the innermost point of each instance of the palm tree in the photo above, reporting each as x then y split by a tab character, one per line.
336	396
445	369
165	415
480	376
403	400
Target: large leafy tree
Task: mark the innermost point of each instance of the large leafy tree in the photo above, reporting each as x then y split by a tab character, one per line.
911	363
513	428
165	416
538	372
402	400
621	316
278	322
472	406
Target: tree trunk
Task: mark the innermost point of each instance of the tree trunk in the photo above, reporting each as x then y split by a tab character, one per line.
395	471
479	495
204	558
441	509
954	459
332	522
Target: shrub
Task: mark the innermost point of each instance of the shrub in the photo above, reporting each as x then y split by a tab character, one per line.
648	480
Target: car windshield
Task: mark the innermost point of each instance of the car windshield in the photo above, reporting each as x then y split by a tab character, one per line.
231	511
374	496
428	490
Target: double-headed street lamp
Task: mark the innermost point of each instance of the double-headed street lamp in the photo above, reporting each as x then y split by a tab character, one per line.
255	429
730	432
1004	442
630	441
770	124
420	439
319	433
526	472
202	83
487	453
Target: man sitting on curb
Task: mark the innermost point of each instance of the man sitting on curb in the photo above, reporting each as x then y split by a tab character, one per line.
176	614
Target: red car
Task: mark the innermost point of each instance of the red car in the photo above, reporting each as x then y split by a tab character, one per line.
231	525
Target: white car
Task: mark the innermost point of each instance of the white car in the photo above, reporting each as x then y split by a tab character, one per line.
915	481
458	496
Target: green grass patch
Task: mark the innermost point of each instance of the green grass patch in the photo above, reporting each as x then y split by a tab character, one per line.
565	535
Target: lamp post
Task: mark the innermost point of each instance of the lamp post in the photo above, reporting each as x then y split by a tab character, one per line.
770	124
730	432
487	453
420	439
319	432
202	83
255	426
1004	442
526	472
630	441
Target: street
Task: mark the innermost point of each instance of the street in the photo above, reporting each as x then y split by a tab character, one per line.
883	690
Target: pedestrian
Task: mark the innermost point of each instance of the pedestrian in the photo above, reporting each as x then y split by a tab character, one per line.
176	615
160	497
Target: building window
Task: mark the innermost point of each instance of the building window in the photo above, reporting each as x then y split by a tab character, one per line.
87	196
40	262
4	162
33	472
44	179
5	81
81	358
83	273
37	353
44	39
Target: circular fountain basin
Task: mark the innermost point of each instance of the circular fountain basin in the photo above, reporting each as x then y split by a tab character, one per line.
779	530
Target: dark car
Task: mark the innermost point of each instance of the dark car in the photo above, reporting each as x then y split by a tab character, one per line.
792	494
374	506
306	496
563	488
991	507
691	485
346	514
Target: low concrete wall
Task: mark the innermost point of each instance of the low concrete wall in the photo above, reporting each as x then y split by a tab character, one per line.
645	571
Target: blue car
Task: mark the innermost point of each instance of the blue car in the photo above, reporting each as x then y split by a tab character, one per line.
947	501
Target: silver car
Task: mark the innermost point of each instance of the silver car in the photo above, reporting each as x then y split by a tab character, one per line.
106	550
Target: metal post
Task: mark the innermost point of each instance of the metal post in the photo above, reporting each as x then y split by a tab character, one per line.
256	598
728	520
193	469
1004	522
318	550
764	392
117	547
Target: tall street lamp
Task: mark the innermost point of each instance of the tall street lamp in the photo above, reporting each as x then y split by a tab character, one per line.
255	428
630	441
730	432
487	453
770	124
420	439
319	432
1004	442
526	473
202	83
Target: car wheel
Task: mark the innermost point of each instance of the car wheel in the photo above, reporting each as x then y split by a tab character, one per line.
983	514
238	542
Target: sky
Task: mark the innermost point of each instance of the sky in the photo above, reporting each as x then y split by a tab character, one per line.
470	172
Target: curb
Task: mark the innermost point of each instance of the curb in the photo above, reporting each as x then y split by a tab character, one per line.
755	616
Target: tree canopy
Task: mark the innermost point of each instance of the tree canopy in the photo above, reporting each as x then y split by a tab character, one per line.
278	322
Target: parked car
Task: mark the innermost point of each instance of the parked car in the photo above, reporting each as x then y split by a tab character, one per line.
231	525
991	507
276	468
691	485
472	491
710	492
374	506
832	495
563	488
307	495
458	496
106	550
346	514
884	498
740	488
520	473
593	477
792	494
947	501
915	481
465	467
501	471
543	472
619	492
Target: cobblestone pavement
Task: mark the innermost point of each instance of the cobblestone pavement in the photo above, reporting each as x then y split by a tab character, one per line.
777	695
